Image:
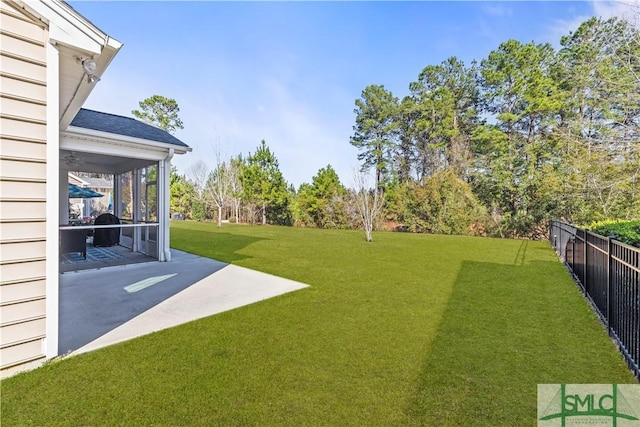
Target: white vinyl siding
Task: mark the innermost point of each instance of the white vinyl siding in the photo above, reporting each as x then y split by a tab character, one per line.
16	148
23	273
17	128
19	250
17	292
19	211
26	169
21	47
14	65
15	332
24	310
22	107
15	190
23	138
18	86
13	355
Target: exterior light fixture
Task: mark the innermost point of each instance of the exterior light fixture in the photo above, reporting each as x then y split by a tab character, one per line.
89	66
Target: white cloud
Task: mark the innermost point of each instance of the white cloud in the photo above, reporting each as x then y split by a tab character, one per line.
562	27
497	10
625	9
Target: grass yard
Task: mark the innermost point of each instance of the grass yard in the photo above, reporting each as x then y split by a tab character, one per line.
406	330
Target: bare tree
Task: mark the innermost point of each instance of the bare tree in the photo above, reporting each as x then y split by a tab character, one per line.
369	202
235	170
197	174
218	187
631	55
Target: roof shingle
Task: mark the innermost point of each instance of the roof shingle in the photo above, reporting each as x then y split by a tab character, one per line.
120	125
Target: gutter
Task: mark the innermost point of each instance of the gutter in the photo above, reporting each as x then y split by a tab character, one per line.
114	138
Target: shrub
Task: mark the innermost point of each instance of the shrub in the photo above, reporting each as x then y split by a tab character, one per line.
624	231
198	210
441	204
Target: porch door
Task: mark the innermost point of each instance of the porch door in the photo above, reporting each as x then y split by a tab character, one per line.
148	241
124	206
138	195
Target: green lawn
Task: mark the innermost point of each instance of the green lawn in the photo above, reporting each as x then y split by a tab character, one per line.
406	330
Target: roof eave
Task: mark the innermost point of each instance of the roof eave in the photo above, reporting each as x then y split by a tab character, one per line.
69	28
79	132
77	178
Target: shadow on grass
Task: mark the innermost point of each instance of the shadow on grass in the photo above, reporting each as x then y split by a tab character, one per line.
213	244
506	329
521	253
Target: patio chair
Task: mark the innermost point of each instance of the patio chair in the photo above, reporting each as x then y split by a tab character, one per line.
106	236
73	241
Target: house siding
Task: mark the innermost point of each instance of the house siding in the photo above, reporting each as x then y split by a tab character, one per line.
23	178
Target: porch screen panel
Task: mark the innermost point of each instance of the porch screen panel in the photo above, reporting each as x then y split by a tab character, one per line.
149	208
149	188
127	205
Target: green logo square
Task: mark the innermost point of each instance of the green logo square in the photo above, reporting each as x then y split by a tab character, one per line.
616	405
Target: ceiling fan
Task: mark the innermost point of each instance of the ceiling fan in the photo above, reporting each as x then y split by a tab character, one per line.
72	160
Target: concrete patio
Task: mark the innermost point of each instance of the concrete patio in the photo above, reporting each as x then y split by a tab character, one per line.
109	305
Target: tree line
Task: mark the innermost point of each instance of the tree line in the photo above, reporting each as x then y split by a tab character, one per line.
495	147
253	190
527	134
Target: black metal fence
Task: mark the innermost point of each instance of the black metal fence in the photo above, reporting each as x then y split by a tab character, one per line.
607	271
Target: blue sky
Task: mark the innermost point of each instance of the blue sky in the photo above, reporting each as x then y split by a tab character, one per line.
290	72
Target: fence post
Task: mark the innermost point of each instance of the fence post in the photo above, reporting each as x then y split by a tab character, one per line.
562	256
609	284
586	258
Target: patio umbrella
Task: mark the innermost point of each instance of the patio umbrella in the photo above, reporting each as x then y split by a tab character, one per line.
76	192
